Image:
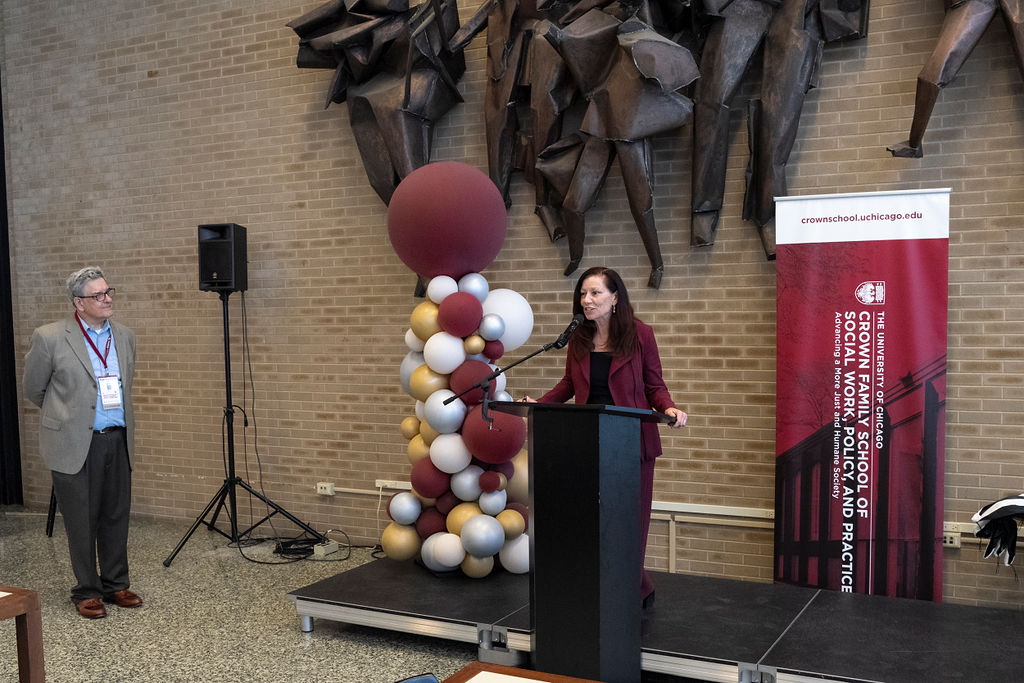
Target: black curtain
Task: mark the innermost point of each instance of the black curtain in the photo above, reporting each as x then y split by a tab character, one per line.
10	455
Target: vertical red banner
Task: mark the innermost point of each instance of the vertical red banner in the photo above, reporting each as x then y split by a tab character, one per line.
861	391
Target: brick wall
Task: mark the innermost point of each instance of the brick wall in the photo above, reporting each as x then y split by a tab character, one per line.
128	123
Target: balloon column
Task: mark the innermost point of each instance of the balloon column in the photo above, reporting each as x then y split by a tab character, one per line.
446	221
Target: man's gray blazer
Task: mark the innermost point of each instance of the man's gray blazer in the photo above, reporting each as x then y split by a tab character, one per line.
59	379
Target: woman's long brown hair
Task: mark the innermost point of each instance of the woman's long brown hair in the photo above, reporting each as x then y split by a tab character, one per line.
622	339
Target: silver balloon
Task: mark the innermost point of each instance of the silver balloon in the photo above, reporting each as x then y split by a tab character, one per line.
475	284
404	508
444	418
466	484
492	502
412	360
482	535
492	326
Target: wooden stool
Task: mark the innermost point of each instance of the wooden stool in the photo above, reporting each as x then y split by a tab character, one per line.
24	606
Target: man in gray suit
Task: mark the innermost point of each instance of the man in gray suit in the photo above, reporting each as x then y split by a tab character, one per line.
79	371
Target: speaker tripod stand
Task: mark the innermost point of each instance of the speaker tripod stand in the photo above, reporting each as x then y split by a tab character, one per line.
226	497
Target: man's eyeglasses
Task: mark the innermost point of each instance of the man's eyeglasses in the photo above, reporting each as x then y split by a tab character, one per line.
99	296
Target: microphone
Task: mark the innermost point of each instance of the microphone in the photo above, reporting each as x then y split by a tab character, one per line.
563	338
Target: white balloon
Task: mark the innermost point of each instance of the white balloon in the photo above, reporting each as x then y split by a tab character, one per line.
515	554
482	535
500	381
449	454
404	508
502	395
445	419
412	360
427	553
475	284
492	503
444	352
412	341
492	326
440	287
421	410
448	550
517	314
466	484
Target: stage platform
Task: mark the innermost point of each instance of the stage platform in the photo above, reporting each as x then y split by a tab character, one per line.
700	627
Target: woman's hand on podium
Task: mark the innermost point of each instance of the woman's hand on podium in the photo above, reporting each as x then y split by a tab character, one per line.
527	399
679	416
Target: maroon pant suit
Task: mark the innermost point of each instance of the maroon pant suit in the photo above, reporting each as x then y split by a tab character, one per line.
634	382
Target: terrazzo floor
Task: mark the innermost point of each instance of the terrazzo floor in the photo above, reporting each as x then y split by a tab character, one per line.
212	616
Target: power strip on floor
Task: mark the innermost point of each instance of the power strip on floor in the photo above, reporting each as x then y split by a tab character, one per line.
326	548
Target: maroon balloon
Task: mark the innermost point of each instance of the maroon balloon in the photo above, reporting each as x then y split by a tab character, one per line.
459	314
506	468
466	375
428	480
493	350
446	218
490	481
388	506
446	501
429	523
493	442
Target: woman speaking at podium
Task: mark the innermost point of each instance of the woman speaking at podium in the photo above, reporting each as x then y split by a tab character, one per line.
612	359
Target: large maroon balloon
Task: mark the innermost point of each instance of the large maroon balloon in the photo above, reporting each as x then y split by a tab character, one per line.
446	218
493	442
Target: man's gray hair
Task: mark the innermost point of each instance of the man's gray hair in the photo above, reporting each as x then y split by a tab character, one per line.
78	279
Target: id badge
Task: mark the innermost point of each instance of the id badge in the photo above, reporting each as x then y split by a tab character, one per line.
110	392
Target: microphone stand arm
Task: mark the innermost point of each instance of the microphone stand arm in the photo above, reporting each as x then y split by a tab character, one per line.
485	383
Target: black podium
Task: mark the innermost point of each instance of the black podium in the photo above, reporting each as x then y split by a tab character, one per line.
584	537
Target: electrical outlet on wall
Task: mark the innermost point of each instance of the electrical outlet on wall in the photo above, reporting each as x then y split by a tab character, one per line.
950	535
325	488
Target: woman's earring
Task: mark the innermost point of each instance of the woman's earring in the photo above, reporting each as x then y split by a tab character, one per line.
613	308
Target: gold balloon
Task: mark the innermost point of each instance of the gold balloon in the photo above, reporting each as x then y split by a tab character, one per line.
423	320
474	344
459	514
423	382
477	567
428	433
518	489
424	501
410	427
400	542
512	522
417	449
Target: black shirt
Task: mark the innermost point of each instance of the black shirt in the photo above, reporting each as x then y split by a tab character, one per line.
600	365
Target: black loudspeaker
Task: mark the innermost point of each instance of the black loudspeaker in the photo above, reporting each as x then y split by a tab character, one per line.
222	262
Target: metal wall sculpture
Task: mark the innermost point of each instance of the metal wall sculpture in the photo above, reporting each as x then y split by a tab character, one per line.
395	68
528	92
793	33
571	86
962	28
630	77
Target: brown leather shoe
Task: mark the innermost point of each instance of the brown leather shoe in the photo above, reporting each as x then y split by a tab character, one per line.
91	608
124	598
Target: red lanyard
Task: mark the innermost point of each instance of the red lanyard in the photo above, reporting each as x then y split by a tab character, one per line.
106	351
